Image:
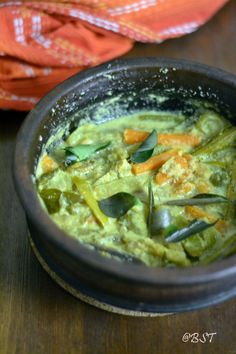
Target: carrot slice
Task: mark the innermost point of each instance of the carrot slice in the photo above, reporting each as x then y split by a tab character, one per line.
154	162
198	213
132	136
178	139
182	161
162	178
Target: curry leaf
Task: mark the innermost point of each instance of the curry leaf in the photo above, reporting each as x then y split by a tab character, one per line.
193	228
199	199
118	204
145	150
83	151
126	257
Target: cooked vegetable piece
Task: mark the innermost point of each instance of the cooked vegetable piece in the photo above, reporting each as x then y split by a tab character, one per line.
223	140
118	204
51	198
131	184
145	150
170	119
220	250
193	228
154	162
219	178
195	245
210	123
132	136
71	197
86	191
231	192
222	225
179	139
168	139
48	164
217	163
160	220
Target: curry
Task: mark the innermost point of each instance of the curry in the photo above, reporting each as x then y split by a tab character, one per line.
151	187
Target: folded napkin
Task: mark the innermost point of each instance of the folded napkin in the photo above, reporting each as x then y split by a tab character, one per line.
44	42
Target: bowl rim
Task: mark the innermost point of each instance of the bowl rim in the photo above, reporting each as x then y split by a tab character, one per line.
26	189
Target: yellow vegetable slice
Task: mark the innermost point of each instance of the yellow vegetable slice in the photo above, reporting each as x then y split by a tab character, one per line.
85	190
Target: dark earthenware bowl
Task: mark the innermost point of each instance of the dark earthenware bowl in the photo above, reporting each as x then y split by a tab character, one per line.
126	286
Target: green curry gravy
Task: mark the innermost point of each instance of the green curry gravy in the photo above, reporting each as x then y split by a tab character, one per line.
193	157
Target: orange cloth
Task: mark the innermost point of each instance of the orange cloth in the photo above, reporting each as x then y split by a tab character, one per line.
44	42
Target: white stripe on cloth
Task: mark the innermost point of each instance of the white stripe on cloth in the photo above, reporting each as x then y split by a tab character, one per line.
11	3
44	42
137	6
19	29
36	26
109	25
18	98
180	29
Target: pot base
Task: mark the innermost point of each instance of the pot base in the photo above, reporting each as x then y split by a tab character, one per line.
83	297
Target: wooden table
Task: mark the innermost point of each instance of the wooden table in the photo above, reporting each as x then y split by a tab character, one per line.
37	316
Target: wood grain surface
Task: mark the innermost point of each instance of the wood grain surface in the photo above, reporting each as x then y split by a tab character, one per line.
37	316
